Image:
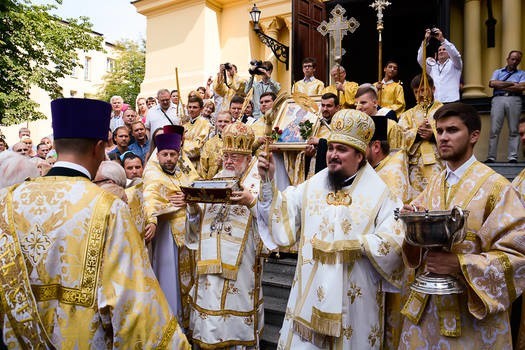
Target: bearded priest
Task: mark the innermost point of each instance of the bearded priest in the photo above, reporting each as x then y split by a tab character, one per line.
226	299
349	251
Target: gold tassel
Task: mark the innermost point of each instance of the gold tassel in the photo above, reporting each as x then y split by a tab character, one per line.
309	335
326	323
229	272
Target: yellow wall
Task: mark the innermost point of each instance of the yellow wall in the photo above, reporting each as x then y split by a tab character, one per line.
198	35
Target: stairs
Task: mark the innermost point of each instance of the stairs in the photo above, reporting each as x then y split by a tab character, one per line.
509	170
276	282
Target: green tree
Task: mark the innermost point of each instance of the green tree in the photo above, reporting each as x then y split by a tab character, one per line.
127	74
37	49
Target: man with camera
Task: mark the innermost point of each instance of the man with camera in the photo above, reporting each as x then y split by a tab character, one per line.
228	84
266	84
446	70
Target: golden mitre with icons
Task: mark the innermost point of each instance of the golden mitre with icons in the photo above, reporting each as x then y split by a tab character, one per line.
352	128
238	138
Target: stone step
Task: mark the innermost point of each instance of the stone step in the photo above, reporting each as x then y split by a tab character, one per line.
270	337
274	310
276	285
508	170
284	266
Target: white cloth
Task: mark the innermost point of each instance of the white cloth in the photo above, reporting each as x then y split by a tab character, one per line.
348	256
73	166
156	118
226	300
446	76
165	264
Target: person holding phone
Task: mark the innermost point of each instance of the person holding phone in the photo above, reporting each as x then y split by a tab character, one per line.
445	69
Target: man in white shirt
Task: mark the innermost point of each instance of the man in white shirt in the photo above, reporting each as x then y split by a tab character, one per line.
165	113
446	70
116	112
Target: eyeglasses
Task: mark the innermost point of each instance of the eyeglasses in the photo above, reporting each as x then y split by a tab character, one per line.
233	157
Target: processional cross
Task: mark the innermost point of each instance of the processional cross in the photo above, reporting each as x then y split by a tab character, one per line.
379	6
338	27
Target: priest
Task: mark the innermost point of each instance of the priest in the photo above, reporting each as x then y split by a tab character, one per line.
349	243
226	299
75	273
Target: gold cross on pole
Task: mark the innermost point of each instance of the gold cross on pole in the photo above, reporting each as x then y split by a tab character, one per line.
379	6
338	27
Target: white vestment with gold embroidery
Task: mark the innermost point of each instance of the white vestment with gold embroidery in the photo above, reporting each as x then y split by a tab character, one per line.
348	256
226	299
87	267
492	263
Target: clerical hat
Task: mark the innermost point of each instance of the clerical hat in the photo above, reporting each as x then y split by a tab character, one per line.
381	131
173	129
80	118
353	128
168	141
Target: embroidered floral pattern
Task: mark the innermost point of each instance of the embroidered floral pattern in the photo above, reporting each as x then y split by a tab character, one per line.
354	292
347	332
35	245
240	210
384	248
346	226
248	320
232	289
320	293
491	282
374	335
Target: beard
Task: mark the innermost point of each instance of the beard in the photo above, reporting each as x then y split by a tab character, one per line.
225	173
168	167
336	180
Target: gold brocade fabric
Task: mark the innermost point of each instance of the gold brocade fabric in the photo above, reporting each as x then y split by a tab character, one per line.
519	183
311	88
158	185
492	266
259	127
392	96
235	87
346	99
423	158
211	158
92	281
136	206
195	135
393	171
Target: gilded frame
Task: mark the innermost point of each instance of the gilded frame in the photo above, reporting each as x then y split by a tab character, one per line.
288	118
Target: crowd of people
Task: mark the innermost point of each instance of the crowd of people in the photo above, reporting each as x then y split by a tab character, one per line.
102	248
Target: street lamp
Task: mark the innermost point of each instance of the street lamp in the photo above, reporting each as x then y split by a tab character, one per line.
280	50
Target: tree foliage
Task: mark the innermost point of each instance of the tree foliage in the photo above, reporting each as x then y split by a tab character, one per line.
128	72
37	49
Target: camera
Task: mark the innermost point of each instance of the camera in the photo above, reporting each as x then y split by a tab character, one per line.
228	66
256	67
434	32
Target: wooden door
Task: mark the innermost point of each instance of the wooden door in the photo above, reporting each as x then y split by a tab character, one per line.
306	40
405	22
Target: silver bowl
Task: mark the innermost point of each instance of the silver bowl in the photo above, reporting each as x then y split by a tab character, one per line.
438	229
